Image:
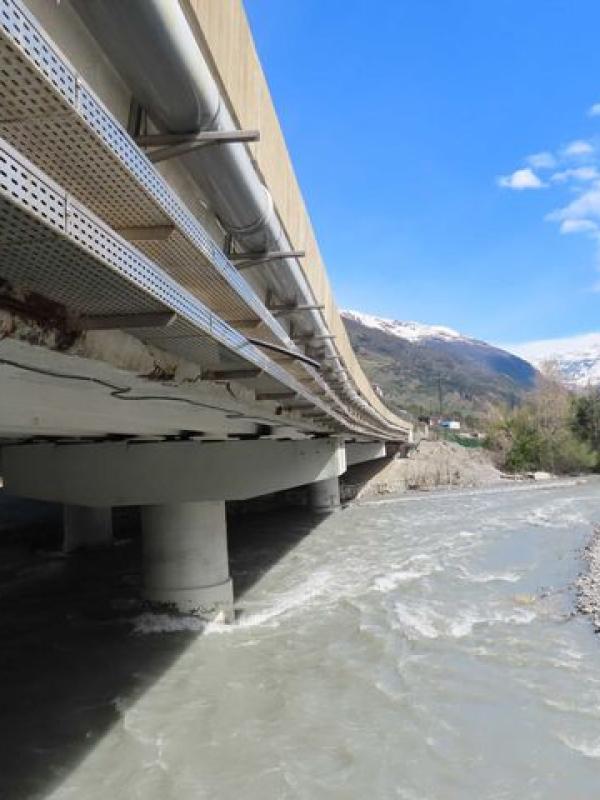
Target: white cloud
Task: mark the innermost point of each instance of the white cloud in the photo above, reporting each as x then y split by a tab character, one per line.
582	208
578	174
594	111
577	148
578	226
543	160
521	179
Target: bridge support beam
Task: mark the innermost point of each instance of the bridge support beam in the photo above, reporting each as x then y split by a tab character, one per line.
86	528
152	473
185	564
324	496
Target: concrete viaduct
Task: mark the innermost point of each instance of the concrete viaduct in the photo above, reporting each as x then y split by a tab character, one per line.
168	334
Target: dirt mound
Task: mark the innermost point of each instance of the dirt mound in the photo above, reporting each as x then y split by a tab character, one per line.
429	465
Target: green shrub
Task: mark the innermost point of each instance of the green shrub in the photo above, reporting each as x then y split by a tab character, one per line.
552	432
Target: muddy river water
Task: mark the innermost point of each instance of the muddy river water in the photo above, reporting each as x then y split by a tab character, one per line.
423	648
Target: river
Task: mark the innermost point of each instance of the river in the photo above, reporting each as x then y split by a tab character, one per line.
423	647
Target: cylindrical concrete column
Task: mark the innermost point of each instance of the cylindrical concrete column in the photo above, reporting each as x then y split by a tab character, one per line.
86	528
186	566
324	496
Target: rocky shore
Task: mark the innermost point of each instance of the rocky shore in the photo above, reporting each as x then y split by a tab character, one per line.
588	584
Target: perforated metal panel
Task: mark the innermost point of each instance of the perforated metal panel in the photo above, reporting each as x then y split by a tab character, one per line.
57	122
53	245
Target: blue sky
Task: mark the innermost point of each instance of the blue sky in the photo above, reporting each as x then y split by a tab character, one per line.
411	126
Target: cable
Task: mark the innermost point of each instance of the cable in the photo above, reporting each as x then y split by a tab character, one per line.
118	392
285	351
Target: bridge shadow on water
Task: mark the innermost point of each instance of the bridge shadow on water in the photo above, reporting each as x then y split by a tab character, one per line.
70	658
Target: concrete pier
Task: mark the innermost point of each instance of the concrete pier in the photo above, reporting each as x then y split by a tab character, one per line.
86	528
185	562
324	496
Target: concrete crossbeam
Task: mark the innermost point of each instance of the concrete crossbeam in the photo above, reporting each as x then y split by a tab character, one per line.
143	473
357	452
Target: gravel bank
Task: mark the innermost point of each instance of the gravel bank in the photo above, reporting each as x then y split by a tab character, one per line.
588	585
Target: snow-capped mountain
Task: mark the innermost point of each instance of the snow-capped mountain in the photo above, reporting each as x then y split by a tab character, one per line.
411	331
425	367
577	357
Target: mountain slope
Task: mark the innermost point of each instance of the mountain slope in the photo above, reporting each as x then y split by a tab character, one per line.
412	362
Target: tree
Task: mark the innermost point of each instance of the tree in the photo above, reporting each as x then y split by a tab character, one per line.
545	433
585	421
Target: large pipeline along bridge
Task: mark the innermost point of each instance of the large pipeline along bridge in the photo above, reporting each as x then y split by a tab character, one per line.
169	337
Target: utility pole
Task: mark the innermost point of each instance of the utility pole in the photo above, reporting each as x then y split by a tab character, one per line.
440	395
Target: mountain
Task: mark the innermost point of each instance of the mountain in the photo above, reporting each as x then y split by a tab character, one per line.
577	357
414	363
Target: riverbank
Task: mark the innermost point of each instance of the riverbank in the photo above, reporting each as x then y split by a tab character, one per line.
588	584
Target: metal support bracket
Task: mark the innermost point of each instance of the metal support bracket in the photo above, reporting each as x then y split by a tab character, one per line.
248	260
307	338
245	326
280	311
276	396
285	352
111	322
231	374
171	145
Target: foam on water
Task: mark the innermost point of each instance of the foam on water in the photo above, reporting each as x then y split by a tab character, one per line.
417	622
588	748
426	622
385	583
490	577
418	566
153	622
297	598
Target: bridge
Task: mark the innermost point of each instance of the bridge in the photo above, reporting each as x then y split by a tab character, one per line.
169	336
